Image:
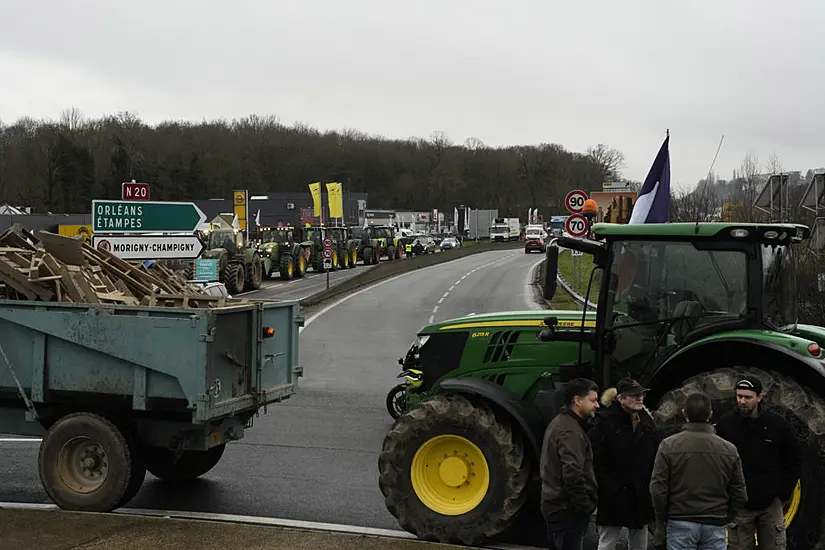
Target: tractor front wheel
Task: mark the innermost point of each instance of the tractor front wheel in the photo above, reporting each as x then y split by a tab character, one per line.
452	472
287	267
234	278
801	407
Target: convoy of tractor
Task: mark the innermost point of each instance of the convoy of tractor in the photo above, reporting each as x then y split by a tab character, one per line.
681	307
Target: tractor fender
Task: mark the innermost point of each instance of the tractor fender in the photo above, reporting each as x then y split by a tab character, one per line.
757	349
531	426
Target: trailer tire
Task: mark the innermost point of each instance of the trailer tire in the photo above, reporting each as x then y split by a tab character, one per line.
191	465
138	469
85	463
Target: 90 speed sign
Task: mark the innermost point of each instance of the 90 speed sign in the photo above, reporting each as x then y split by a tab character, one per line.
576	225
574	201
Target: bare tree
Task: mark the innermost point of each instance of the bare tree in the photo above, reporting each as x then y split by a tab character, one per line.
773	165
703	204
611	161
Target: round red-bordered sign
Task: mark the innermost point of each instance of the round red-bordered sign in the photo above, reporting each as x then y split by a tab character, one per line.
574	201
576	225
327	253
327	242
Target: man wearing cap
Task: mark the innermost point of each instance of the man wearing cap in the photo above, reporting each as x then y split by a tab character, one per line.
624	440
771	461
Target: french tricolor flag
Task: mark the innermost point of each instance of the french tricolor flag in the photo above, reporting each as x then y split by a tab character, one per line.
653	203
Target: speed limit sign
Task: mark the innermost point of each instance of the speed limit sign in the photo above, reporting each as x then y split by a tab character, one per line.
574	201
576	225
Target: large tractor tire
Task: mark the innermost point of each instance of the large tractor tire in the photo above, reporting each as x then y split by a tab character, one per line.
452	472
353	257
234	278
368	255
390	252
86	464
300	262
190	465
804	409
287	267
189	271
254	275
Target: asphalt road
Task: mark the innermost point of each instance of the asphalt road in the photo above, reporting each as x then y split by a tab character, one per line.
314	457
298	289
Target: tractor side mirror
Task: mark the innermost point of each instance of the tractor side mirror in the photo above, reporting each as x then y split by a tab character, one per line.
551	268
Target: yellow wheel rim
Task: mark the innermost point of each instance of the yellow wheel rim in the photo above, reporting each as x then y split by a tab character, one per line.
334	258
354	259
302	263
289	269
450	475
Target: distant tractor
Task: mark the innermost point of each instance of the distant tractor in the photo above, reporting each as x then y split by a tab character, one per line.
311	242
681	307
239	266
280	253
369	249
389	244
346	244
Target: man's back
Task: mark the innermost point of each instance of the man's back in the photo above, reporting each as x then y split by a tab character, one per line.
698	478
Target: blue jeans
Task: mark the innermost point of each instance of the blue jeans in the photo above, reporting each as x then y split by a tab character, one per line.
686	535
569	536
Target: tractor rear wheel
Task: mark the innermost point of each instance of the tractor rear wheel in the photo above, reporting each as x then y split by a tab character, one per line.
189	272
301	263
390	252
804	409
234	278
287	267
452	472
344	259
353	257
368	255
256	273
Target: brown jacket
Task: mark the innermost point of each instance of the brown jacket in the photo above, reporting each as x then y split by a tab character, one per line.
568	487
697	477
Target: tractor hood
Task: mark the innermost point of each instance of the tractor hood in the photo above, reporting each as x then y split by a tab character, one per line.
533	319
215	253
269	247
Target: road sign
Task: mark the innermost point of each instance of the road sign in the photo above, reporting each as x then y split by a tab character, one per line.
576	225
327	242
132	191
327	263
328	254
574	201
150	247
576	253
206	270
145	217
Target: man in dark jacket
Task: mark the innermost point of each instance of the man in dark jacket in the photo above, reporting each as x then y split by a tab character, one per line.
697	485
772	463
625	440
568	489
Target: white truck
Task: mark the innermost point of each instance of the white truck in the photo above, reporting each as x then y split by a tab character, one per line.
505	229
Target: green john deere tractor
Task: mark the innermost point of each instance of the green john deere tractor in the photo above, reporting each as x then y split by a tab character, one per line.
311	241
388	244
680	307
239	266
279	252
347	245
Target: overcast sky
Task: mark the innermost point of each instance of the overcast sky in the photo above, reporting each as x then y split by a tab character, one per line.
508	72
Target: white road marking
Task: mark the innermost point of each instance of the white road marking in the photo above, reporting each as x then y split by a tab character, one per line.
20	439
258	520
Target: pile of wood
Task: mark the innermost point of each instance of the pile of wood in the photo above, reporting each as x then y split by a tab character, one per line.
53	268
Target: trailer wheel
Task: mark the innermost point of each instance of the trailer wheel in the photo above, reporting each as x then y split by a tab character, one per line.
191	465
138	474
802	407
85	463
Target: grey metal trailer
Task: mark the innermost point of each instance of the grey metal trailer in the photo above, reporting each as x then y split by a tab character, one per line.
117	390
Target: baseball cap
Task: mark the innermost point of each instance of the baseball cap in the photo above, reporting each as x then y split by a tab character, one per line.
628	386
750	383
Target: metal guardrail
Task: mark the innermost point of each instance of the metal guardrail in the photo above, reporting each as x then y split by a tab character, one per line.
576	297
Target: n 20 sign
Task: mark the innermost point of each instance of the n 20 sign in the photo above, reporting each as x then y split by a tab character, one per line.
574	201
576	225
132	191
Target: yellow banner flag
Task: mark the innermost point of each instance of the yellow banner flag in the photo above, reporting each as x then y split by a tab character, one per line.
315	189
336	202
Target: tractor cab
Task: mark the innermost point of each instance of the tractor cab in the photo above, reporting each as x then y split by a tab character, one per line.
226	239
661	288
279	235
311	234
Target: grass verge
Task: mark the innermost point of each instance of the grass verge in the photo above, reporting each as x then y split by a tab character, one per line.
585	268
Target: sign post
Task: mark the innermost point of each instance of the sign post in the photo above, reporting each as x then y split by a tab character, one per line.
109	216
133	191
150	247
328	254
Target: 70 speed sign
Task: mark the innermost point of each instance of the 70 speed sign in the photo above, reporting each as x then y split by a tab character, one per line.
576	225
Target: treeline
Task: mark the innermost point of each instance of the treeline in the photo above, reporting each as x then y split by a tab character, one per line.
60	166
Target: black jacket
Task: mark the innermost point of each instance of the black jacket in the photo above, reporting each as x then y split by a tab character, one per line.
623	460
770	451
568	488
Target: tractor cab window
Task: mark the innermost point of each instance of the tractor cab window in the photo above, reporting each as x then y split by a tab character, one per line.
659	292
222	239
276	236
313	235
780	285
